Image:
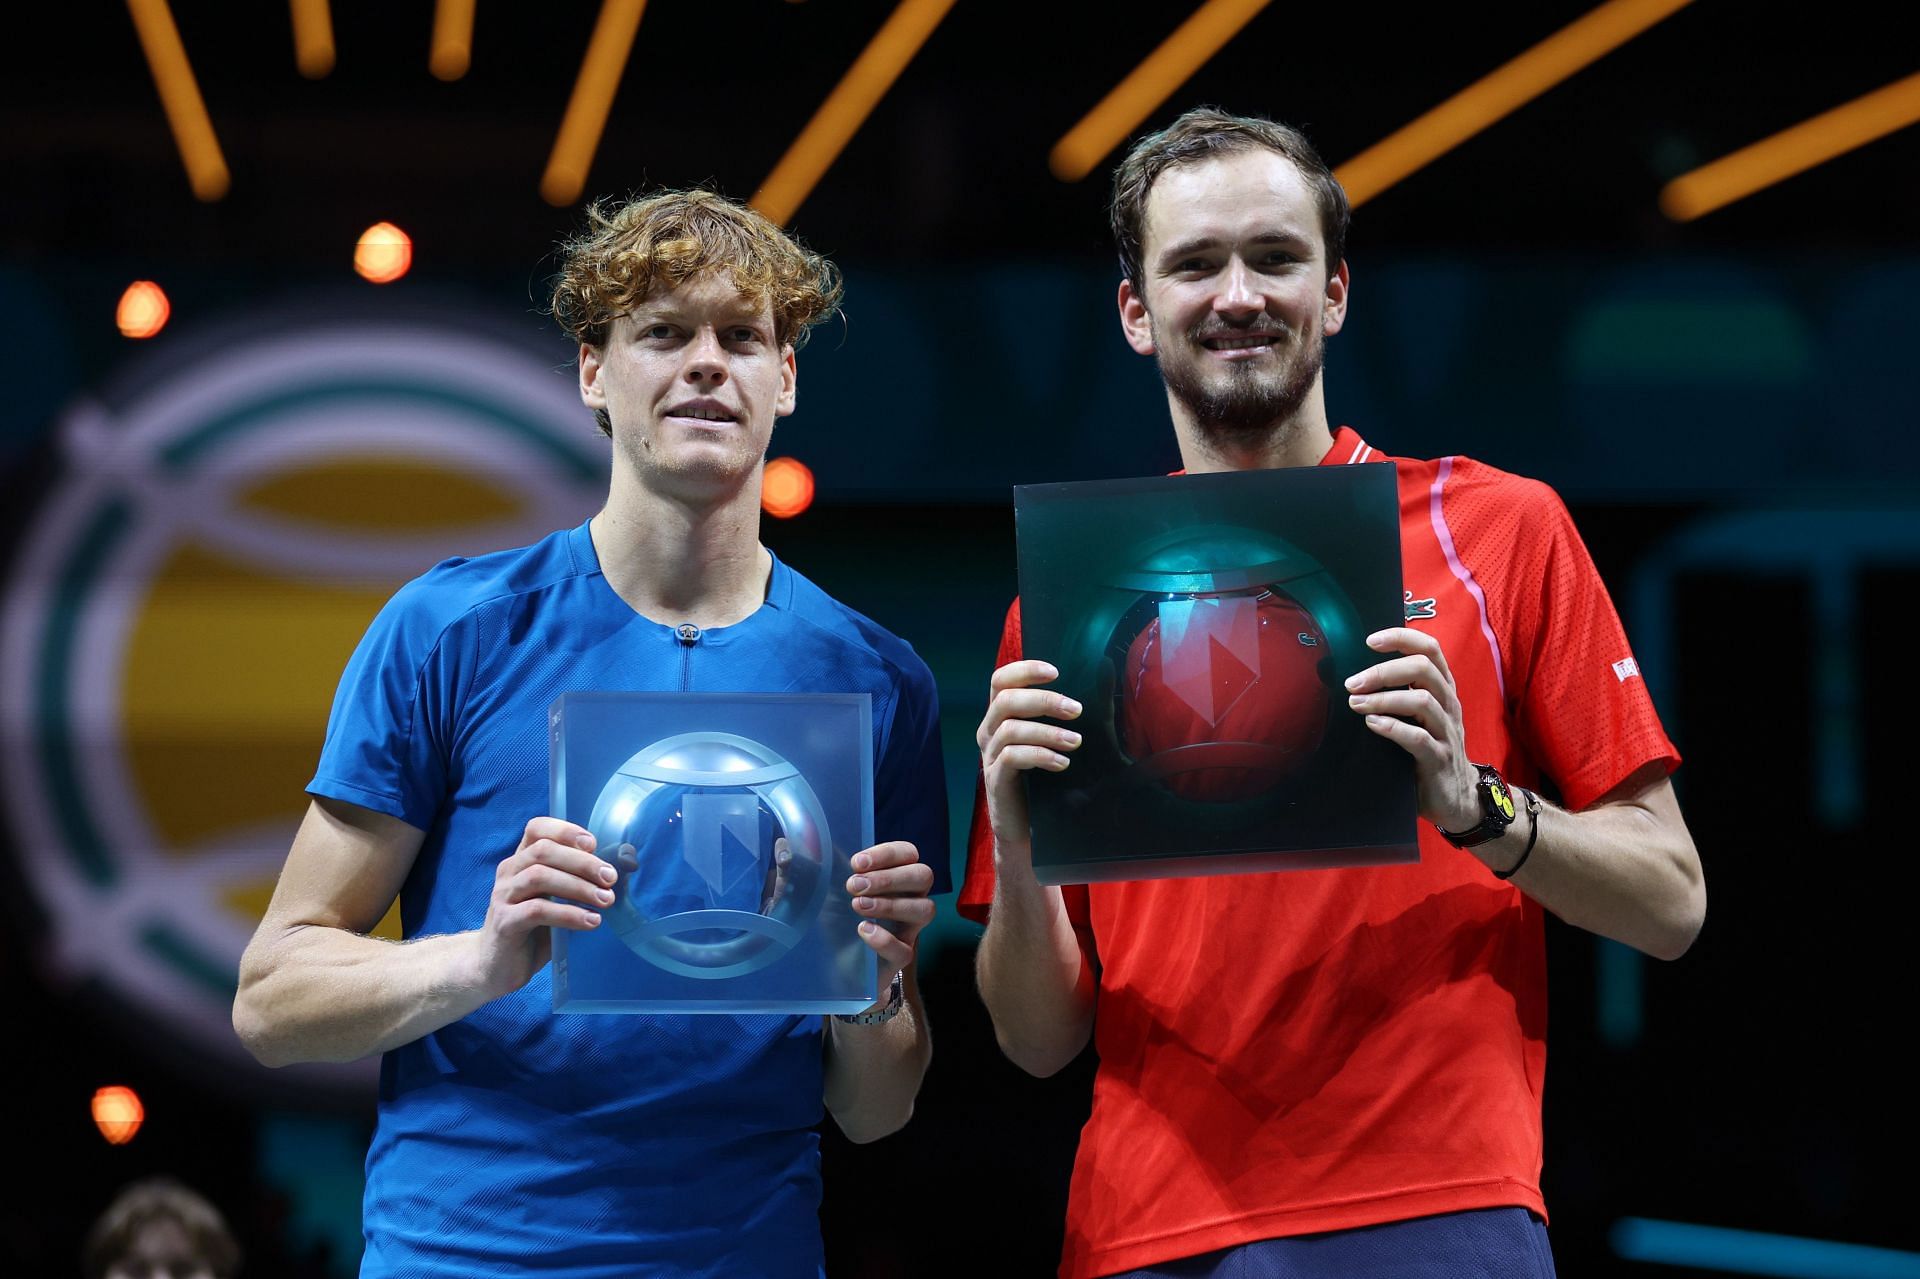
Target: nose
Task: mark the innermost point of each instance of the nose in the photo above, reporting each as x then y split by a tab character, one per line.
706	358
1237	295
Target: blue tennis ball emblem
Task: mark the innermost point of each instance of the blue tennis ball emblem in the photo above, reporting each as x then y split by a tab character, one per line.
689	848
723	852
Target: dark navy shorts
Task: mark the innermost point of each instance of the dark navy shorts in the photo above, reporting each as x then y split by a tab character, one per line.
1492	1243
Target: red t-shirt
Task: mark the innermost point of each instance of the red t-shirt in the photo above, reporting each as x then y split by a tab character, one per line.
1301	1051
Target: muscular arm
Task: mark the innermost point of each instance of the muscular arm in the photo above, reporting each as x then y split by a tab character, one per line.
873	1072
315	987
1035	969
1625	867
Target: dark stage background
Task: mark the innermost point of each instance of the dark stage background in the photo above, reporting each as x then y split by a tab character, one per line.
1727	406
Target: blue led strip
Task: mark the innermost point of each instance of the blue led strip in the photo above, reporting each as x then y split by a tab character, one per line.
1748	1252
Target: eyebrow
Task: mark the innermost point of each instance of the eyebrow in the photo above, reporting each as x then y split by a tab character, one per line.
1202	243
671	311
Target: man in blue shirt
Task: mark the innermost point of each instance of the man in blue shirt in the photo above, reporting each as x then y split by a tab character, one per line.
510	1139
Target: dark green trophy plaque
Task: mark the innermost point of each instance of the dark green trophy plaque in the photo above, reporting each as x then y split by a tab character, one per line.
1207	624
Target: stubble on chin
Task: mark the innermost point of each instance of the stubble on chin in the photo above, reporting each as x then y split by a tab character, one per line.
1246	406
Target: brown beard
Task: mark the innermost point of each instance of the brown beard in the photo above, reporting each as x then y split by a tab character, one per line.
1248	408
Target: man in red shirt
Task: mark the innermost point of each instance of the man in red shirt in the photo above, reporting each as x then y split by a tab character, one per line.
1333	1071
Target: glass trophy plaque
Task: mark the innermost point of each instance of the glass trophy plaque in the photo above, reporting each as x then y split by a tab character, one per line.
732	819
1207	624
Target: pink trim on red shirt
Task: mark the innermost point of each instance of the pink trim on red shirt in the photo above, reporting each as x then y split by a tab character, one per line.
1437	514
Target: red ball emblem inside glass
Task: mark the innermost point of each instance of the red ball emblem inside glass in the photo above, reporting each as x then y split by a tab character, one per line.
1221	696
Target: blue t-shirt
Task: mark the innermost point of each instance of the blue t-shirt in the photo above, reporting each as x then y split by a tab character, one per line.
517	1140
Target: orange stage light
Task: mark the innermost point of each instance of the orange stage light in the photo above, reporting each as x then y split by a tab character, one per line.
1498	94
847	107
118	1114
787	487
180	96
452	39
1791	151
383	254
586	117
143	310
1148	85
312	38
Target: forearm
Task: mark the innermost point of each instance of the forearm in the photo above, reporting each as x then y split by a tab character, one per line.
1035	977
1627	871
314	993
873	1073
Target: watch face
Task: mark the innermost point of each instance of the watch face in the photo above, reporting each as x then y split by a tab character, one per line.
1502	798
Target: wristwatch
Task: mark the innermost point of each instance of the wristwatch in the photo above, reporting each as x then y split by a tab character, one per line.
886	1012
1496	810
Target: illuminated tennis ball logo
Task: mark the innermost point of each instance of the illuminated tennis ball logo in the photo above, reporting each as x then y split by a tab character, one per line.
722	848
1223	665
187	594
1226	691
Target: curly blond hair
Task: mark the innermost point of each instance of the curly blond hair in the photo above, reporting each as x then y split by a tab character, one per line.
634	248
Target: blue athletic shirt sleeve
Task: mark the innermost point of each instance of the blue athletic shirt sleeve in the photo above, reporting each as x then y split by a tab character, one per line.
910	784
385	748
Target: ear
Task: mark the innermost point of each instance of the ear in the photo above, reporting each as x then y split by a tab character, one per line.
789	375
1336	306
592	394
1135	323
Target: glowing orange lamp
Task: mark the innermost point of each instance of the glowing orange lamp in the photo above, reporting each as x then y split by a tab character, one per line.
787	487
118	1114
383	254
143	310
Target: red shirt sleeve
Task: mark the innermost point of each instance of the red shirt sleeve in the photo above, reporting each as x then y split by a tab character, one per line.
1579	706
976	891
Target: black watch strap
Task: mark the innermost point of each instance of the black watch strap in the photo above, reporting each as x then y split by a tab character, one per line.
1497	810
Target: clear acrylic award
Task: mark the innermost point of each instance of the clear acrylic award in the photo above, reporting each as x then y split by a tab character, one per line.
1206	624
732	819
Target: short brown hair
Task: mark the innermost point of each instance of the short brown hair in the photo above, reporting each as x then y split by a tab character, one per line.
1202	134
160	1199
631	249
